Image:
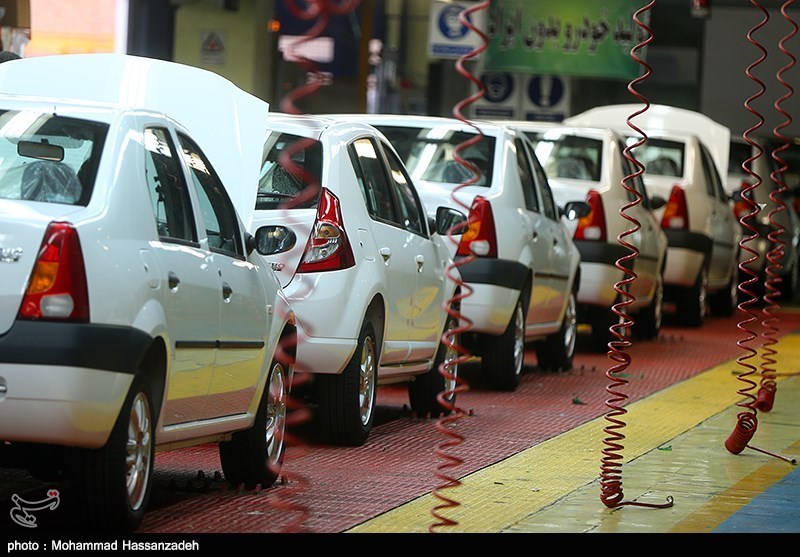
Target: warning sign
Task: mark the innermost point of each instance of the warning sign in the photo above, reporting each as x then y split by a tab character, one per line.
212	47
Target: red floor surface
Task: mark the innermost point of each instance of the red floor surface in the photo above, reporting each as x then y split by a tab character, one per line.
330	489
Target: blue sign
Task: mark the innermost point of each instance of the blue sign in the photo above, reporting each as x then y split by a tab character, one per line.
449	23
546	91
499	86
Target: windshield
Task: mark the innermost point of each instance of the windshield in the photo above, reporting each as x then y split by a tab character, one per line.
48	158
429	153
286	187
570	156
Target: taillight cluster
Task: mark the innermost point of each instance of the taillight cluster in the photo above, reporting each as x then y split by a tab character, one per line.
741	206
593	225
57	287
676	212
480	237
328	248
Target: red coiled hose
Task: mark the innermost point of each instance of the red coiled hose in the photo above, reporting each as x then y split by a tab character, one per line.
445	423
766	393
747	422
611	493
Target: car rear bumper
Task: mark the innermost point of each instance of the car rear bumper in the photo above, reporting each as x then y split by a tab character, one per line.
686	253
64	383
496	285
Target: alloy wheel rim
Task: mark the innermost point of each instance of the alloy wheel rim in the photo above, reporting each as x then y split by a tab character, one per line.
276	415
451	362
138	451
366	391
571	323
519	339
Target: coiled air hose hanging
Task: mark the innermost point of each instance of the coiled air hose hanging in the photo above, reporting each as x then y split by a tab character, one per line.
611	477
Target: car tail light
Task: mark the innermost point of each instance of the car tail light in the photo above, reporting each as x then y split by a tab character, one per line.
480	237
57	287
593	225
328	248
741	207
676	212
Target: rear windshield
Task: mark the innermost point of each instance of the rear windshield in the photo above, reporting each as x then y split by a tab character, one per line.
661	157
429	153
48	158
286	184
737	156
571	156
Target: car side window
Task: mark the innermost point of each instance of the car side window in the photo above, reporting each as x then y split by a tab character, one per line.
713	181
166	184
410	206
540	177
373	181
219	214
526	177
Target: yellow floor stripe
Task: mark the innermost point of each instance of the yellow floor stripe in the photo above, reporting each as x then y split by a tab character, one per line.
513	495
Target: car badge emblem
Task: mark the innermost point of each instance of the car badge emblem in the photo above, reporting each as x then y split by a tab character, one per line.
10	255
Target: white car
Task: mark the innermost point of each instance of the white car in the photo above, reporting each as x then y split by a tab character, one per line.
136	315
517	256
590	164
768	220
367	276
685	157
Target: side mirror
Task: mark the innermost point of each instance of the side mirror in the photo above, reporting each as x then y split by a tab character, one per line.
656	202
447	218
574	210
271	240
736	196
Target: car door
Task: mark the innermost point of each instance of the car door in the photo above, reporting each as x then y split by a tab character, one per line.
397	262
428	299
543	241
559	261
186	271
245	315
724	227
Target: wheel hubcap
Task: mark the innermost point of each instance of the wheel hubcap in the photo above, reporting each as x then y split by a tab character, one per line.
658	310
451	362
138	451
366	392
276	415
519	339
570	325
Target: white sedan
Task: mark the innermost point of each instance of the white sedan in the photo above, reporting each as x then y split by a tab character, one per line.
135	313
517	257
367	275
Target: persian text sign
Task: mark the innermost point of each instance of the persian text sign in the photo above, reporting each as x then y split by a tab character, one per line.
565	37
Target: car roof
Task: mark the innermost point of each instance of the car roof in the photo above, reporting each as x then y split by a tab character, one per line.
413	120
314	125
662	120
222	118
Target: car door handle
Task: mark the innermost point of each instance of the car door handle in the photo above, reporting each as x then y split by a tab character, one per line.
386	253
420	259
227	291
173	280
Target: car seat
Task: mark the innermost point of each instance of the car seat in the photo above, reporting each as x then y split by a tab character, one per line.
50	182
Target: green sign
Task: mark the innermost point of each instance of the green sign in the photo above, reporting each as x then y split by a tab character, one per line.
592	38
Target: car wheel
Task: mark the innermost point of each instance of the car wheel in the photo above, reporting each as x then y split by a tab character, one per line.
790	282
424	389
254	457
649	319
723	303
115	480
602	319
502	356
692	305
347	399
557	351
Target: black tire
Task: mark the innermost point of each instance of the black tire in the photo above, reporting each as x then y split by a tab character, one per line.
502	356
602	319
346	401
254	457
424	389
115	480
648	323
723	303
692	305
556	352
790	282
